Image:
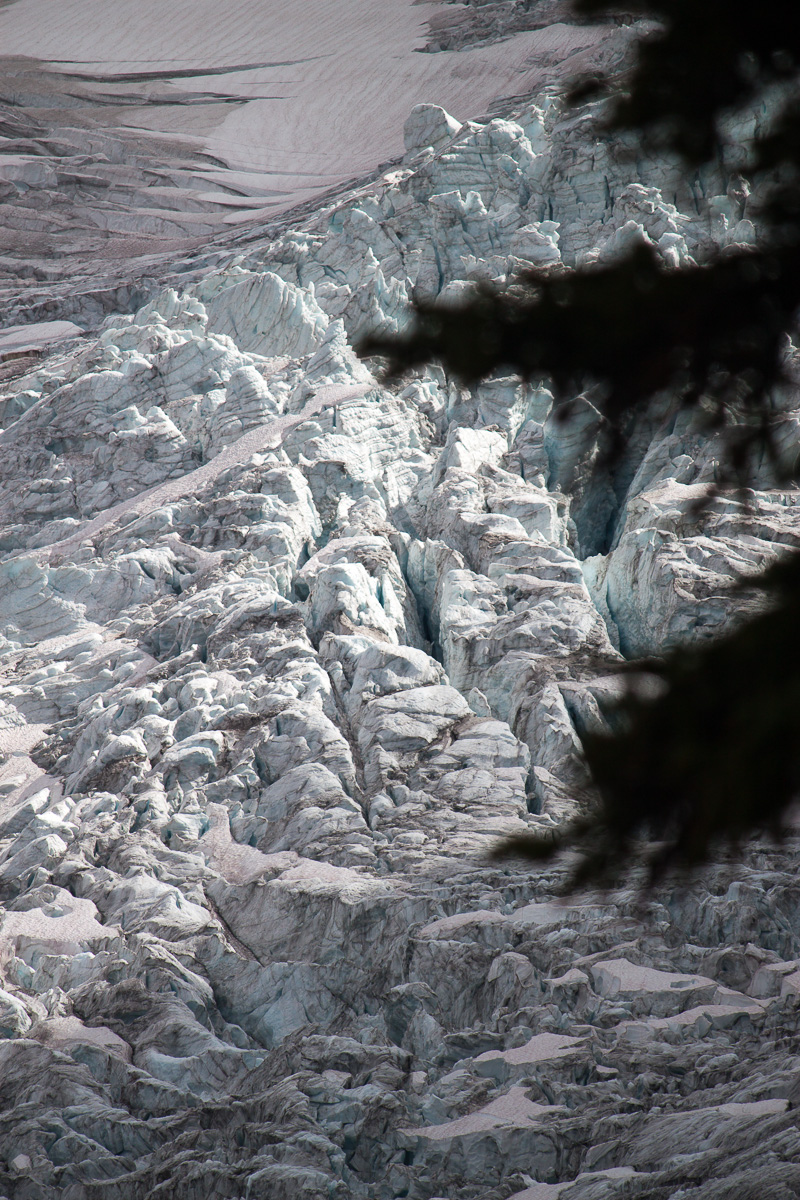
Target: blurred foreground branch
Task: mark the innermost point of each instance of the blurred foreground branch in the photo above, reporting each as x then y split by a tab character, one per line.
714	758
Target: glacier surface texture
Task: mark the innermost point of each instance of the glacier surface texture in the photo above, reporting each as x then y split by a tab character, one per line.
285	650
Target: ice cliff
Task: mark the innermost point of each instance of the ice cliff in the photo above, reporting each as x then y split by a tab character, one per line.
285	650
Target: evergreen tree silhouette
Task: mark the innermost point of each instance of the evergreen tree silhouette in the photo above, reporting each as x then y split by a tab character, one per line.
714	757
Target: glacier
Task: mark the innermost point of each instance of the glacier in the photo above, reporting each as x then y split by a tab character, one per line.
285	649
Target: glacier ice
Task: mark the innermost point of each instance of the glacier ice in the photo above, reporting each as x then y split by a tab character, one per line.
285	649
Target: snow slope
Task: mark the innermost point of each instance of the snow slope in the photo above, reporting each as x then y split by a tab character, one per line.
343	76
324	88
132	131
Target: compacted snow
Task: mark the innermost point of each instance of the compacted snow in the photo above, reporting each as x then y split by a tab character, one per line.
323	88
130	133
284	650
